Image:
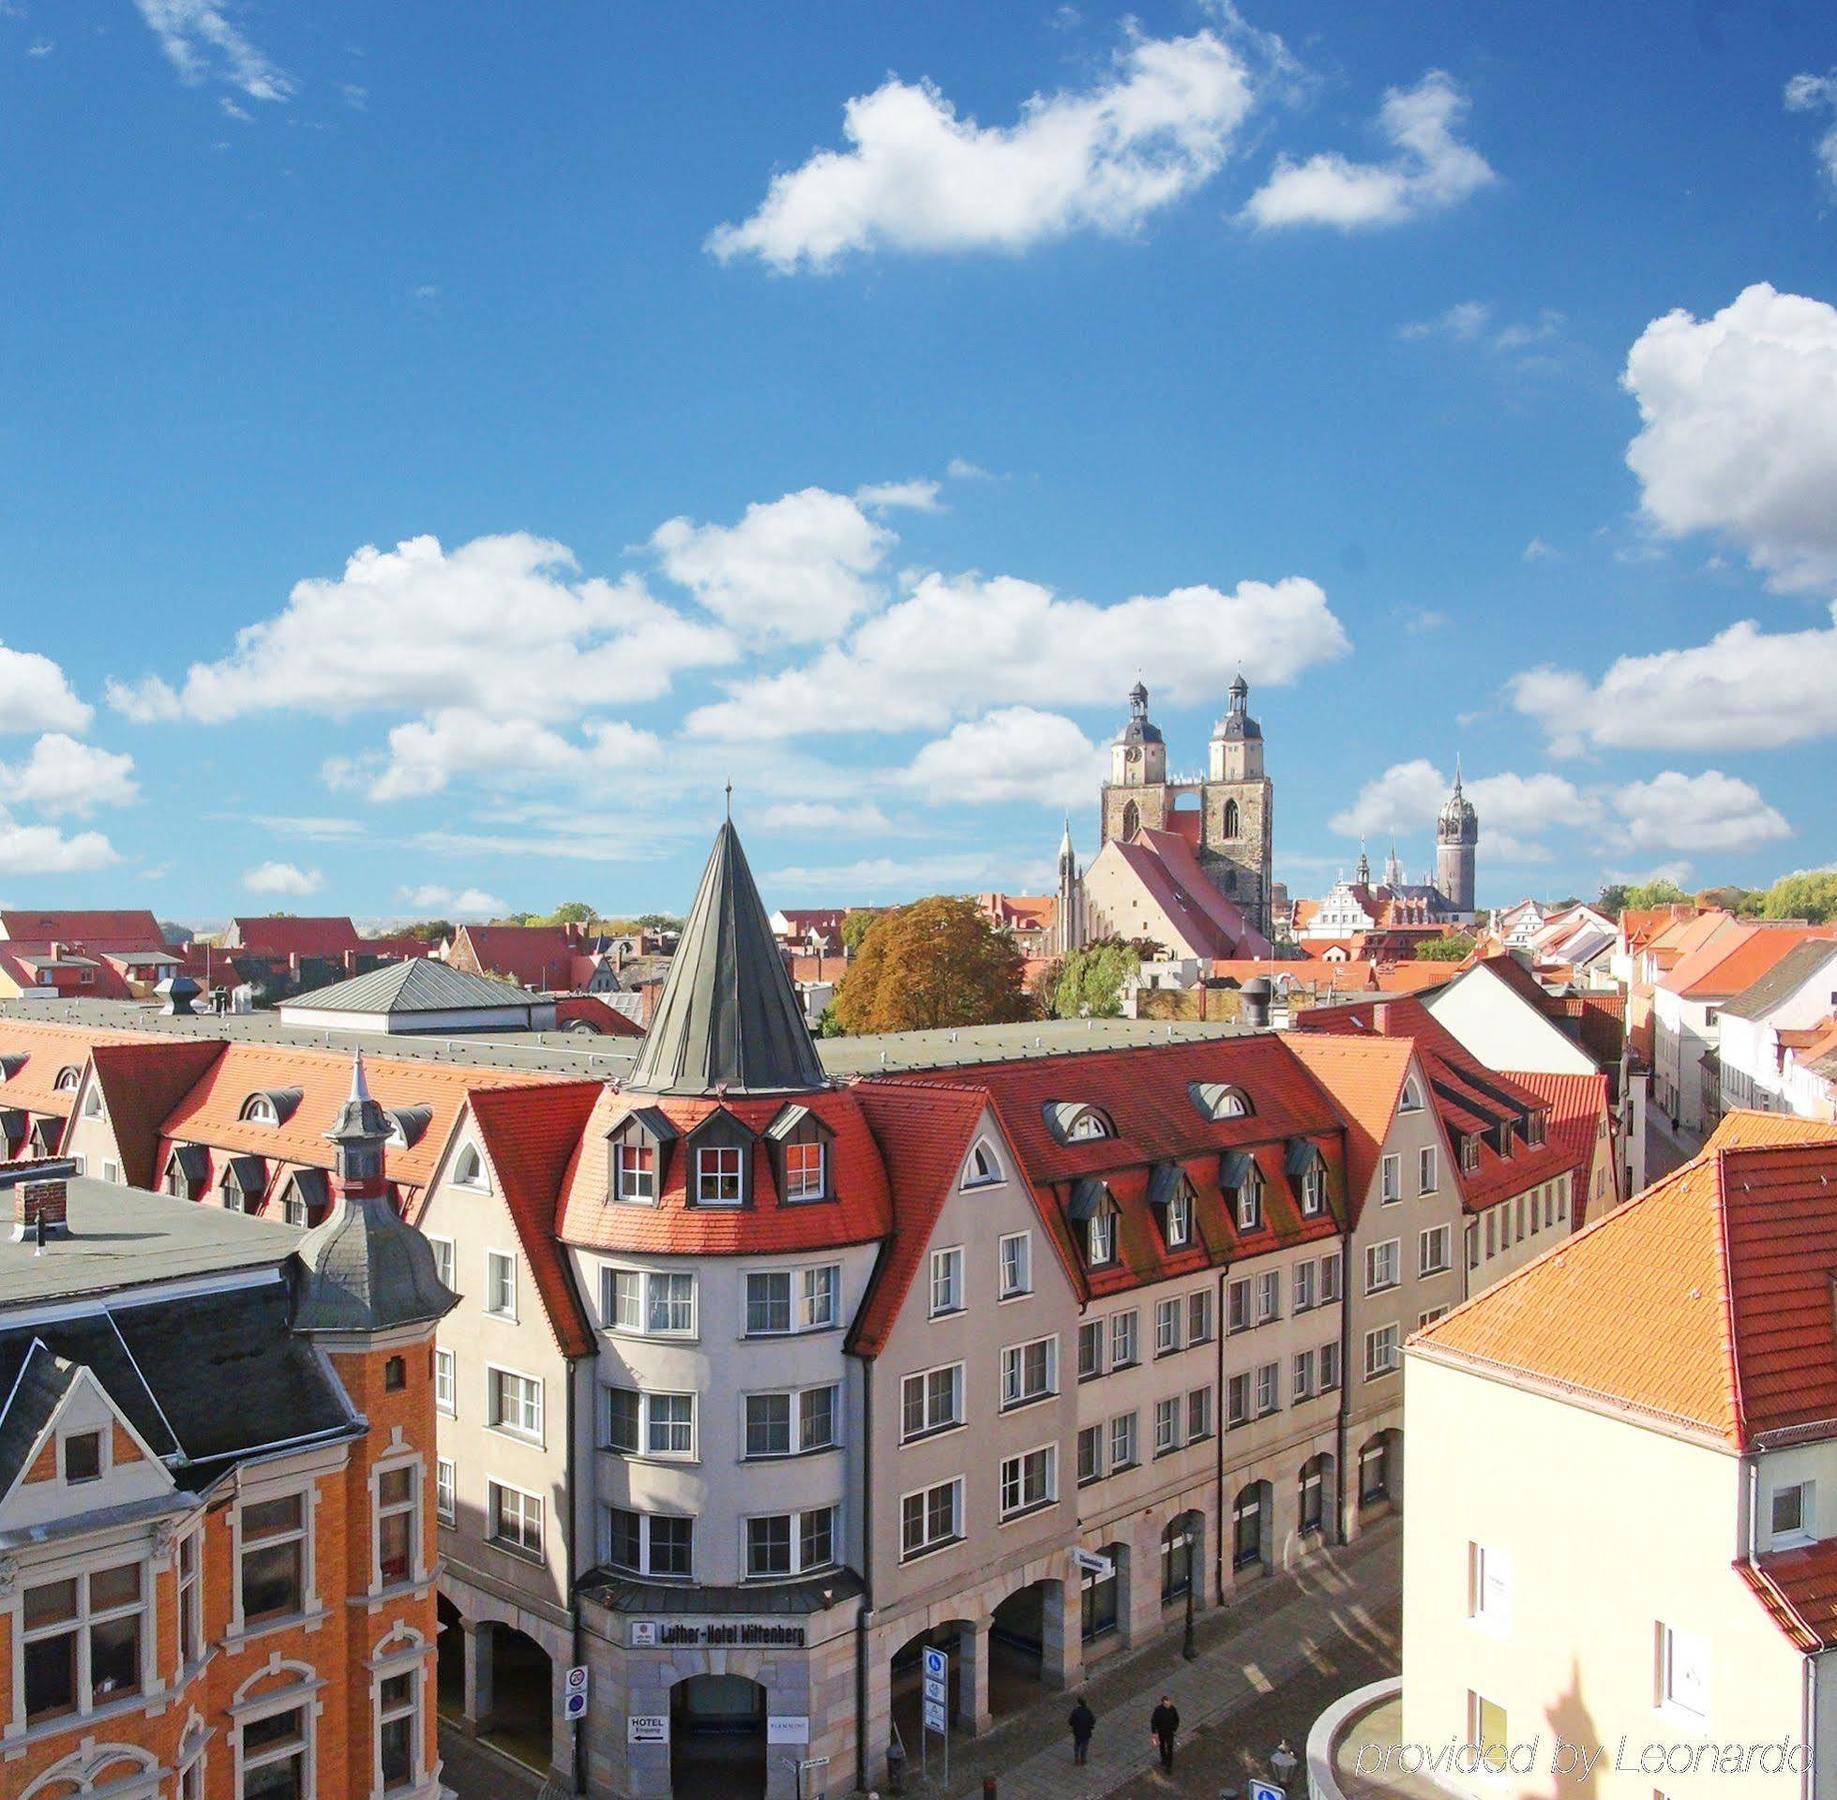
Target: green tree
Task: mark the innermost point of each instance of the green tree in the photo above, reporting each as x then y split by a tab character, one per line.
572	912
1444	949
1642	895
937	962
427	931
856	924
1091	980
1613	900
1812	895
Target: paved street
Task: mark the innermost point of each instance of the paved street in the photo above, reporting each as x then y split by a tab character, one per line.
1665	1149
475	1772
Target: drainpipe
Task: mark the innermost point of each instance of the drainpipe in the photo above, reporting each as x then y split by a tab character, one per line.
578	1755
1221	1322
864	1614
1343	1428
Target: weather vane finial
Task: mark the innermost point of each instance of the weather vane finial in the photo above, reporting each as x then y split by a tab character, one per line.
730	802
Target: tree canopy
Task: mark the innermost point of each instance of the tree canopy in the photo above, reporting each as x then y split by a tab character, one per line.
936	962
1444	949
1090	983
1812	895
1619	896
855	926
427	931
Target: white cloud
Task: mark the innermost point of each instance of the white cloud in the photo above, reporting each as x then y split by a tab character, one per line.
495	625
1515	811
916	177
202	44
1538	551
355	97
64	776
1739	430
1699	813
799	568
455	903
1817	93
34	695
317	830
1473	322
917	496
1418	619
1015	753
824	815
1432	170
565	846
1677	872
425	754
956	645
282	878
1463	322
960	468
1759	689
40	47
44	850
906	878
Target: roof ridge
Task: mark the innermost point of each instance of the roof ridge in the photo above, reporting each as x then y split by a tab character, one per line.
1731	1349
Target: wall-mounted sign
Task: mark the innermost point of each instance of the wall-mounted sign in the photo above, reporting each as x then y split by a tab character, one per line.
725	1634
788	1728
1093	1564
647	1728
574	1693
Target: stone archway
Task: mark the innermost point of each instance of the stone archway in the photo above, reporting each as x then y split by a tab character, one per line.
717	1737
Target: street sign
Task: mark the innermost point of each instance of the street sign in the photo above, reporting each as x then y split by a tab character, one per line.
1267	1790
936	1662
647	1728
934	1716
788	1728
1093	1564
574	1694
934	1707
936	1688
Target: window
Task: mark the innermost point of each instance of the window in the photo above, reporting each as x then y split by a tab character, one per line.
1250	1202
804	1170
720	1175
1790	1511
1247	1528
500	1284
446	1490
659	1544
1518	1209
273	1557
1390	1180
1492	1233
82	1640
1090	1349
983	1166
1269	1296
1237	1400
1329	1367
1473	1245
1088	1125
1427	1170
635	1182
513	1403
781	1300
398	1731
516	1518
930	1401
274	1756
395	1374
1123	1348
1029	1480
1383	1266
1426	1319
1314	1189
1269	1388
790	1543
1412	1097
1029	1372
1304	1287
1016	1264
1237	1305
1199	1316
1301	1378
398	1525
1381	1351
445	1383
469	1168
1489	1588
1435	1250
1179	1218
1486	1730
946	1282
1100	1236
768	1302
1122	1442
931	1518
1167	1425
1311	1511
1198	1414
1683	1671
651	1303
191	1598
1167	1326
820	1289
1177	1546
1090	1454
789	1424
1329	1279
83	1457
443	1261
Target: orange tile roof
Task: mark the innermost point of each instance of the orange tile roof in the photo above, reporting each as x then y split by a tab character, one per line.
1578	1106
48	1049
1737	1130
1733	958
1365	1078
1703	1304
1414	977
1799	1590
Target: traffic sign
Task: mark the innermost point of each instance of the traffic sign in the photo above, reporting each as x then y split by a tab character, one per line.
934	1716
574	1693
936	1687
1267	1790
936	1662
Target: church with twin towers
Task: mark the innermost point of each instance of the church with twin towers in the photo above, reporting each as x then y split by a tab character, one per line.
1187	861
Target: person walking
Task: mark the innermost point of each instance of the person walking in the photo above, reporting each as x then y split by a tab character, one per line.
1163	1723
1083	1722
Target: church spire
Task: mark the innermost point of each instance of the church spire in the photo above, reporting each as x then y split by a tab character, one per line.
729	1020
1364	869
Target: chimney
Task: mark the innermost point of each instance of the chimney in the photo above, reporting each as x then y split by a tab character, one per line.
1255	1003
1381	1018
41	1201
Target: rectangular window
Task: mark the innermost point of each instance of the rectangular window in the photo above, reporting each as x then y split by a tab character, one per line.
398	1525
1269	1296
274	1757
191	1598
1269	1388
1383	1266
397	1729
816	1538
1029	1372
1179	1219
1237	1306
1237	1400
1487	1731
1473	1245
1329	1367
1435	1250
931	1518
1029	1480
946	1282
768	1302
816	1418
1381	1351
1329	1279
82	1640
273	1557
719	1175
1303	1287
446	1387
1199	1316
1123	1347
1314	1190
931	1401
669	1305
1390	1180
1167	1326
1683	1671
1091	1336
790	1543
513	1403
1790	1511
768	1424
1122	1442
515	1518
1167	1426
1016	1264
1198	1414
657	1544
446	1490
1250	1203
621	1420
1301	1379
1100	1238
1426	1319
637	1182
1428	1170
1518	1209
1090	1454
1492	1233
1489	1588
669	1424
500	1285
804	1171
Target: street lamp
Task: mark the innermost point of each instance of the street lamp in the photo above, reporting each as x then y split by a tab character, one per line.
1188	1648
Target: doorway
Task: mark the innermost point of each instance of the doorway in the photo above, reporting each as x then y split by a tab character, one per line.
717	1738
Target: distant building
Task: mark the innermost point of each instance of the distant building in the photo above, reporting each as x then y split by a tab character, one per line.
423	995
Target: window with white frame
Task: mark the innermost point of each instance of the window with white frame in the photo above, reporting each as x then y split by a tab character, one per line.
1237	1400
1269	1388
792	1423
929	1401
1122	1442
656	1544
446	1385
1301	1376
469	1168
786	1300
1029	1372
805	1177
1390	1179
1090	1454
1124	1350
1683	1671
1016	1253
720	1175
635	1171
1489	1588
84	1456
500	1284
1329	1279
513	1403
1412	1097
946	1281
1428	1318
1100	1236
443	1262
1428	1170
1250	1201
446	1490
276	1757
1198	1414
1269	1296
274	1552
1789	1511
1167	1326
648	1302
1237	1305
1381	1351
191	1598
1329	1367
1383	1266
1302	1288
1435	1250
398	1524
398	1728
1167	1425
1314	1189
515	1518
1091	1336
1029	1480
983	1166
1199	1316
783	1544
930	1518
82	1640
1179	1217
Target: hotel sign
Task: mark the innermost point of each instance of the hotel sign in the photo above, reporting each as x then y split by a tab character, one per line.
715	1634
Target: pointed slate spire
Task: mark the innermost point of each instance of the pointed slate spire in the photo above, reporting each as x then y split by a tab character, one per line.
729	1020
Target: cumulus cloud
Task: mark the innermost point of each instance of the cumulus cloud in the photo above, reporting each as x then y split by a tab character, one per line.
1711	812
64	776
824	815
1014	753
45	850
35	696
1516	811
203	45
799	568
1739	430
1760	689
917	177
1431	172
455	903
424	755
1817	93
283	878
958	644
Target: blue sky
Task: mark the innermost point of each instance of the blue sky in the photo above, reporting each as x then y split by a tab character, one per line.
442	445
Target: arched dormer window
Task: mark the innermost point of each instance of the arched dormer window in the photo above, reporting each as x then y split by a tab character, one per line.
258	1109
469	1168
67	1078
1232	819
1219	1100
92	1103
1077	1122
983	1165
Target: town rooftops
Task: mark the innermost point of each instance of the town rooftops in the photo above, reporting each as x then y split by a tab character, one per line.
402	989
1732	957
287	934
1799	965
1165	864
129	927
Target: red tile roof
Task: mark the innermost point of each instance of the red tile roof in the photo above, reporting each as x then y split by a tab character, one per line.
142	1081
590	1009
1165	865
285	934
1799	1590
129	929
1580	1105
538	956
48	1049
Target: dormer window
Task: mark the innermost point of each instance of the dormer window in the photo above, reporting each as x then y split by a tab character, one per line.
67	1078
1535	1129
720	1172
1075	1122
1219	1099
83	1457
1179	1219
1088	1125
801	1143
259	1110
1470	1152
1250	1202
1412	1097
1093	1207
272	1106
1307	1171
804	1171
408	1124
637	1152
1170	1194
469	1168
983	1167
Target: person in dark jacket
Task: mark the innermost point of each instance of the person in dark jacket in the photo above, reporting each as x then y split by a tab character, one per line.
1083	1723
1163	1723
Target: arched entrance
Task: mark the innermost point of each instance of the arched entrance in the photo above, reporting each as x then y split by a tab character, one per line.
1252	1521
1381	1475
1104	1600
515	1684
1017	1645
906	1679
1182	1557
717	1737
1315	1499
450	1659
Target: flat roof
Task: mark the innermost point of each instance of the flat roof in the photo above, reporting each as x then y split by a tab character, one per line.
123	1237
1030	1039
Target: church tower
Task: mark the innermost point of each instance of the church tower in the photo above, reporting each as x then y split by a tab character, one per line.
1237	848
1457	836
1136	795
1068	922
